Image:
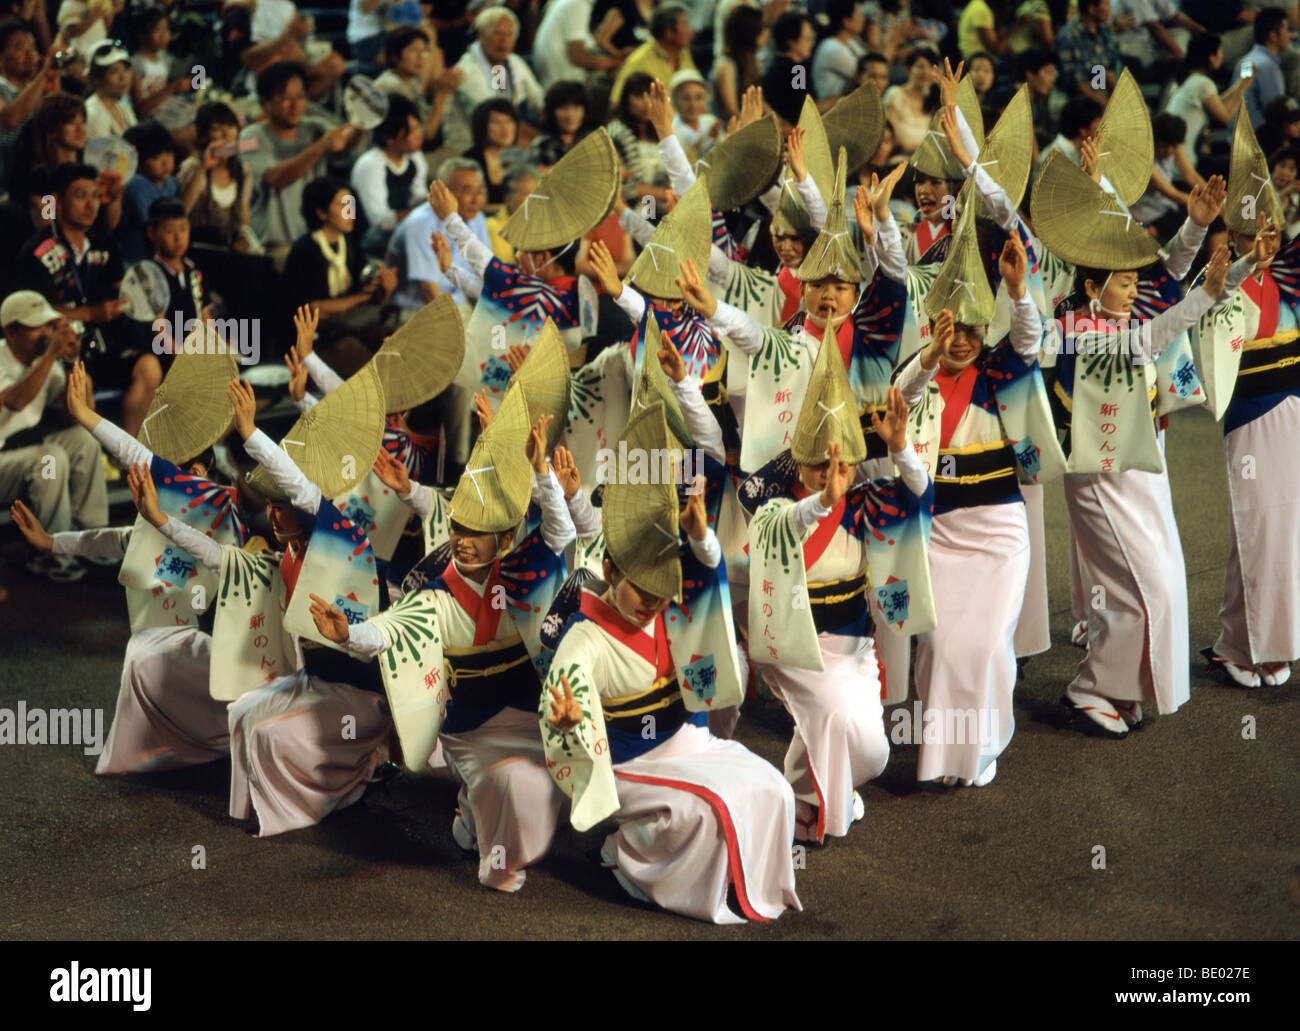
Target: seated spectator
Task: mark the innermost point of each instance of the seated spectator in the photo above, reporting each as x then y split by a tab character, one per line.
24	77
85	24
787	80
910	107
1085	45
744	36
1032	28
151	81
108	108
55	135
492	70
1163	204
874	68
289	149
280	33
216	185
1272	38
521	181
1079	120
390	179
408	74
366	29
496	131
1160	32
1286	167
664	54
324	270
638	144
1038	69
978	31
69	490
564	49
153	179
891	31
563	123
418	276
692	124
1281	126
621	25
835	61
1197	99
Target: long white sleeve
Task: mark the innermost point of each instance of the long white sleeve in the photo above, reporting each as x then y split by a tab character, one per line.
472	249
465	281
700	423
632	304
805	514
913	379
303	494
681	177
1241	270
104	542
308	402
812	201
200	546
1173	322
419	500
889	249
1026	327
719	265
771	197
321	374
120	444
910	469
736	325
365	640
708	551
586	520
1183	249
557	527
641	231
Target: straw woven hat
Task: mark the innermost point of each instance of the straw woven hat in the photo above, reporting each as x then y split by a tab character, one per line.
544	376
685	232
1008	151
190	411
1085	225
572	198
856	123
829	414
1250	188
334	444
961	285
743	165
932	157
420	360
1126	148
833	254
640	519
494	489
652	387
791	217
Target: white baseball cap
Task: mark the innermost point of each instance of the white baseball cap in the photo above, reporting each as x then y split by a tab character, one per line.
108	52
27	308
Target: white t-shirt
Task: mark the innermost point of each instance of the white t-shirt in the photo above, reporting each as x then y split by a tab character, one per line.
100	123
565	21
1188	103
152	72
834	66
361	25
1145	11
271	18
71	12
11	371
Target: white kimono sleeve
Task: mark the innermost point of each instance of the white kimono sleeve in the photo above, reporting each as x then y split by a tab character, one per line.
303	494
120	444
586	520
743	331
321	374
557	527
419	500
701	424
104	542
913	379
200	546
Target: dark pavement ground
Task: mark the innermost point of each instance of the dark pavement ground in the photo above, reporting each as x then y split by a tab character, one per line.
1201	828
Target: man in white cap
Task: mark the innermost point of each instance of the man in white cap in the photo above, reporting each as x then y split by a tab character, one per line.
60	473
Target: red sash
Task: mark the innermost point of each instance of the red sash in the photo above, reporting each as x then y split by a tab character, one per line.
926	236
478	607
290	567
843	336
820	540
956	392
627	633
1264	294
791	289
569	283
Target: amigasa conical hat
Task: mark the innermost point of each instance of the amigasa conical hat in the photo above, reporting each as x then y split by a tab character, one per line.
932	157
685	232
829	413
791	218
190	410
495	488
1085	225
1008	151
652	387
833	254
420	360
640	519
1250	187
1126	149
856	123
961	285
544	376
334	443
571	199
742	166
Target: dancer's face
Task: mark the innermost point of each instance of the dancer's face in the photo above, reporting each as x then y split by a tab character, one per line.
829	300
471	548
813	477
284	521
965	347
930	194
790	249
634	604
1119	293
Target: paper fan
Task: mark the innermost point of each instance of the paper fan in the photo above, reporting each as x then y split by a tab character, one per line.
571	199
1085	225
545	378
856	123
685	232
1250	188
190	410
743	165
420	360
1126	149
1008	150
640	519
494	489
932	157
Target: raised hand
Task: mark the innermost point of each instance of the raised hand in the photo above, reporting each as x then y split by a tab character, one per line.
1013	264
565	713
1205	202
442	200
31	527
535	448
392	473
1268	241
515	356
1088	155
862	209
244	402
838	475
794	154
305	321
331	623
145	495
670	201
670	360
661	111
482	409
892	428
78	407
694	290
751	105
942	334
602	264
952	133
566	471
1216	272
883	189
441	251
948	81
693	519
297	375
